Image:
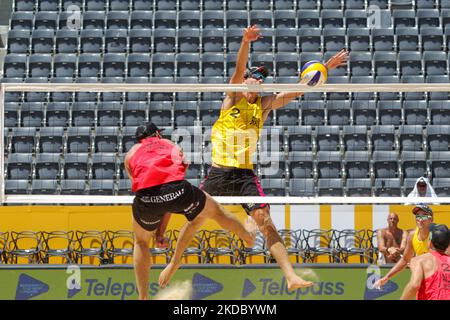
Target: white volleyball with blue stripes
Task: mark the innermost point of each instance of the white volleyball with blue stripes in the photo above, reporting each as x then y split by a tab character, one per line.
314	73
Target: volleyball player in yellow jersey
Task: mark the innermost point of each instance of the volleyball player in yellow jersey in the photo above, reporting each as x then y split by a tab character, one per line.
234	137
416	244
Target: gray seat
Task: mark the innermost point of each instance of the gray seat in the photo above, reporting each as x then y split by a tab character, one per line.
301	164
166	5
19	166
289	114
388	95
265	44
329	164
212	64
383	137
332	18
385	164
408	185
91	5
75	166
32	114
286	64
62	96
163	65
188	64
259	4
236	18
356	19
387	188
195	5
66	41
410	63
189	40
65	17
213	40
24	5
328	138
119	4
124	187
160	113
45	186
412	96
300	138
357	164
302	187
329	187
284	18
15	66
39	65
331	4
103	165
83	114
136	96
21	21
440	112
437	95
432	39
91	41
11	114
407	39
138	65
428	18
117	20
86	96
265	59
359	187
64	65
23	140
411	138
355	138
313	113
89	65
38	68
114	65
51	139
286	40
237	4
414	164
262	18
141	20
359	39
233	39
209	112
435	63
16	186
134	113
18	41
186	113
128	138
140	40
163	96
101	187
367	96
187	96
334	39
415	112
47	166
344	79
78	139
164	40
93	19
213	19
188	20
73	187
438	137
109	113
45	20
165	19
383	39
308	18
310	40
274	187
390	112
307	4
116	41
230	63
385	63
442	186
404	18
439	164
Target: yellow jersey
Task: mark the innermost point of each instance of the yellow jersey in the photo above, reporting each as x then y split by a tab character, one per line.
420	247
235	134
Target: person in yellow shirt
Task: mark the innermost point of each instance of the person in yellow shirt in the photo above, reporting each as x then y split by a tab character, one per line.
416	244
234	139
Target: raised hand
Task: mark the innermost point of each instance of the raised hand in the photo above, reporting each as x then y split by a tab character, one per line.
251	34
338	60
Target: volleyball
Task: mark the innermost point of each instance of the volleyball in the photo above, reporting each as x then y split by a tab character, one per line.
314	73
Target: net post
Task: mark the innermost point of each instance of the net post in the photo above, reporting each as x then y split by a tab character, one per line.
2	143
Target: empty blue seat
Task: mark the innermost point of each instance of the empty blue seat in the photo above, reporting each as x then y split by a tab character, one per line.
310	40
334	39
328	138
329	187
357	164
360	63
439	112
286	64
166	5
75	166
390	112
116	41
45	20
16	186
284	19
385	164
78	139
329	164
114	65
307	4
195	5
91	41
213	40
89	65
411	138
163	65
117	20
101	187
338	113
300	138
32	114
18	41
408	96
262	18
359	187
15	66
415	112
160	113
189	40
355	4
213	19
301	164
108	113
209	112
186	113
358	39
212	64
383	137
165	19
164	40
83	114
439	164
11	114
383	39
308	19
428	18
24	5
437	79
332	18
432	39
48	5
230	64
51	139
410	63
356	18
141	20
47	166
274	187
162	96
188	64
438	137
289	114
64	65
388	95
313	113
92	5
42	41
106	139
355	138
338	95
435	63
265	44
128	140
414	164
21	21
331	4
119	4
23	140
140	40
285	40
385	63
134	113
73	187
66	41
39	65
404	18
387	187
187	96
302	187
19	166
188	20
407	39
38	96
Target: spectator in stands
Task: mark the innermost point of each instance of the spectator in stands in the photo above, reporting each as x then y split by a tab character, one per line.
430	273
416	244
422	188
391	240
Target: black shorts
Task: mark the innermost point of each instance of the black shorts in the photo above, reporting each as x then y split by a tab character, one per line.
233	182
150	204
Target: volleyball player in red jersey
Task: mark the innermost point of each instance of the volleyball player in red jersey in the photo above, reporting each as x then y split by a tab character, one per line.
430	272
157	168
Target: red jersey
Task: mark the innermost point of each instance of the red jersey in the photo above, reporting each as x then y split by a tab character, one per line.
156	161
437	286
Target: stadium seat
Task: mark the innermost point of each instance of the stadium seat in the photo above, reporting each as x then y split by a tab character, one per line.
164	40
334	39
128	138
15	66
47	166
383	137
73	187
414	164
141	20
16	186
166	5
313	113
330	188
188	20
437	79
18	41
387	188
23	140
108	113
415	112
140	40
357	164
385	63
66	41
160	113
262	18
439	164
163	65
432	39
89	65
45	20
32	114
19	166
428	18
189	40
329	164
385	164
328	138
286	64
91	41
101	187
138	65
302	187
92	5
51	139
388	95
185	113
288	115
230	63
86	96
404	19
116	41
310	40
355	138
359	187
390	112
439	112
358	39
411	138
11	114
213	40
407	39
124	187
355	19
117	20
332	18
274	187
301	165
438	137
285	40
265	59
284	19
265	44
61	96
213	19
24	5
188	64
64	65
209	112
21	21
163	96
442	186
69	20
165	19
39	65
134	113
383	39
78	139
338	113
413	96
103	165
435	63
410	63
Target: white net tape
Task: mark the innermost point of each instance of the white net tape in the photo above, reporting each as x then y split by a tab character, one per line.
172	87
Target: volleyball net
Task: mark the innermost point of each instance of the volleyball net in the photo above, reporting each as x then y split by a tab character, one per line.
337	144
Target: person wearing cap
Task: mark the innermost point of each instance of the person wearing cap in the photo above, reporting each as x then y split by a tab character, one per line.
422	188
234	139
416	244
156	168
391	240
430	272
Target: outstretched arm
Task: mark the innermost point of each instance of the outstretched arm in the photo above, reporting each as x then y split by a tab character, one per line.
277	101
413	286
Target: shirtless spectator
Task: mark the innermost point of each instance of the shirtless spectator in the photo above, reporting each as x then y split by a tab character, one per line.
391	240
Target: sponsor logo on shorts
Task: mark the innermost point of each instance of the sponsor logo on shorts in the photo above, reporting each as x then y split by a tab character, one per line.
192	207
150	223
163	198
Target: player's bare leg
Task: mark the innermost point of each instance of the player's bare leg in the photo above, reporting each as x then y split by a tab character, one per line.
277	248
214	211
141	259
